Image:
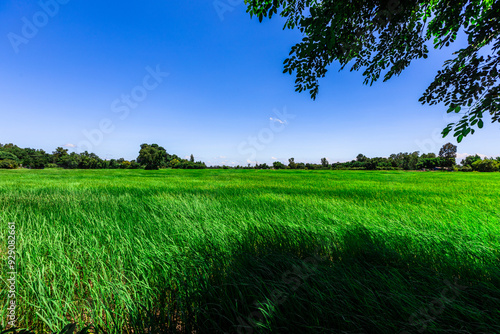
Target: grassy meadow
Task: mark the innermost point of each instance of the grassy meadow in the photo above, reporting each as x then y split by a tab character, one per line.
254	251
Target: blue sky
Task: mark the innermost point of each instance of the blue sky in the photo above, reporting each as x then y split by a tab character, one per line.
200	81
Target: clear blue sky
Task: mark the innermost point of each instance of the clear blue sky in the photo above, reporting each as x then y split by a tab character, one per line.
85	69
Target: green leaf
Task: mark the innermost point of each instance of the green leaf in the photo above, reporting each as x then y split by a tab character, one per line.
480	124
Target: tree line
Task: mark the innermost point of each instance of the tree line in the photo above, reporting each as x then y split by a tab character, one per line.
150	157
444	160
153	156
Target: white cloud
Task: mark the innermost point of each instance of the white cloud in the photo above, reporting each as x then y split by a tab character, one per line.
274	158
277	120
69	145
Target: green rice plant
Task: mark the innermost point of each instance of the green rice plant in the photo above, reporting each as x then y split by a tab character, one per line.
253	251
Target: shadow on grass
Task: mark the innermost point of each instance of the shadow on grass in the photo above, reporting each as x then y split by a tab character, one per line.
297	283
294	281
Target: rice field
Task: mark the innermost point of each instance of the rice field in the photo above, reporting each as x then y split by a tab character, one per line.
253	251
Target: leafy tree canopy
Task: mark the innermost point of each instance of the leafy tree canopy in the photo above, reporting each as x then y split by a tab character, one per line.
469	160
449	153
152	156
382	37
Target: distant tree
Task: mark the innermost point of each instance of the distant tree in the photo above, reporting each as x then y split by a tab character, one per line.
338	165
428	155
292	164
370	163
114	164
92	161
406	161
313	166
134	165
449	153
152	156
301	165
125	164
361	158
469	160
262	166
36	159
324	163
429	163
8	160
412	161
395	160
20	153
175	163
202	165
186	164
377	163
191	158
71	161
278	165
58	154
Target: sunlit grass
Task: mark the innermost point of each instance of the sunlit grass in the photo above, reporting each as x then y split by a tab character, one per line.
255	251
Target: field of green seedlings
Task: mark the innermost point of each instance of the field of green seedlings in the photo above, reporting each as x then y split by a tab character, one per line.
253	251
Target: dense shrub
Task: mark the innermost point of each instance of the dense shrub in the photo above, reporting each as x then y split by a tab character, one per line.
486	165
388	168
8	164
8	156
465	169
134	165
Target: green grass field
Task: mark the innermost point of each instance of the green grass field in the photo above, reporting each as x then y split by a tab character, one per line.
254	251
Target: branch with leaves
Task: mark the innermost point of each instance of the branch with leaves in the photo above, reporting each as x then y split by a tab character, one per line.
382	38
